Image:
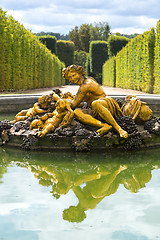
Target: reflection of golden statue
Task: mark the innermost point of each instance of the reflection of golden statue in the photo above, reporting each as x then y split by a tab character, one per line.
90	182
137	179
41	107
102	105
60	117
92	194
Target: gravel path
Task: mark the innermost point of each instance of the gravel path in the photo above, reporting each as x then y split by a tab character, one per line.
73	89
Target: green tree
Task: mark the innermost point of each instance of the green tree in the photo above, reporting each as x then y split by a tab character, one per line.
99	31
74	37
80	58
84	36
89	32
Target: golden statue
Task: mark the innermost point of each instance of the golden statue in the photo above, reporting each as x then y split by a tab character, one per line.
101	111
101	105
60	117
92	93
42	106
137	109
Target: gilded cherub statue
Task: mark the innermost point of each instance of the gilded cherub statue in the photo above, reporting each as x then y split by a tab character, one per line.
61	116
41	107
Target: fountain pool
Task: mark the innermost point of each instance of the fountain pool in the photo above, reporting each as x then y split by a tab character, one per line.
79	195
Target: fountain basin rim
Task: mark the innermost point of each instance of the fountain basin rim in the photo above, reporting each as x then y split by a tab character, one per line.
15	103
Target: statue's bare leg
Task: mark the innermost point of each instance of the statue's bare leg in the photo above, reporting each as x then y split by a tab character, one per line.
21	116
89	120
101	107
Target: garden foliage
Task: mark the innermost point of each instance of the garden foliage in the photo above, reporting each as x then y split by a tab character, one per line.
133	65
157	60
80	58
115	44
25	62
50	42
65	51
109	72
98	54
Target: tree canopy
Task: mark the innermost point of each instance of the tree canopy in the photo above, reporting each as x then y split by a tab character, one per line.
83	35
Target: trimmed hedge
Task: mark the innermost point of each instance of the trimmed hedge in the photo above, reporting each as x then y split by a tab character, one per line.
98	54
88	65
115	44
109	72
157	60
25	63
65	51
135	64
50	42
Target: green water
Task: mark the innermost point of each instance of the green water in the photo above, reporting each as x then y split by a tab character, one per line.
7	116
74	196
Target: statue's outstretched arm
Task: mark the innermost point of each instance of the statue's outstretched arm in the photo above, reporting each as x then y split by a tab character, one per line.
79	96
67	119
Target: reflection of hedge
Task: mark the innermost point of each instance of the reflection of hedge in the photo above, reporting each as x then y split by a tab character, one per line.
50	42
65	51
25	62
135	64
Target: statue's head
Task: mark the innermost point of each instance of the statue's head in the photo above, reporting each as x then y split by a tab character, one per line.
61	105
68	95
45	101
74	73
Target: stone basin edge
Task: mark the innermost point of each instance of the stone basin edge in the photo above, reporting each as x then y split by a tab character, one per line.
15	103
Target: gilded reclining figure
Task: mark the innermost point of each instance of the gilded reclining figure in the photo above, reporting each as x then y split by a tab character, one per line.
101	105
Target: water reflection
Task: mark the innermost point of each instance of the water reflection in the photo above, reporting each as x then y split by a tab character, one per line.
91	176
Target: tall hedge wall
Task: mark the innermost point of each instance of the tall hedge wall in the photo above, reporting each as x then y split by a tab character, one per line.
65	51
115	44
88	65
25	63
98	54
157	60
109	72
98	51
135	63
50	42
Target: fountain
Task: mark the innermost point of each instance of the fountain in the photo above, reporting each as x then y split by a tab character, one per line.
88	121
